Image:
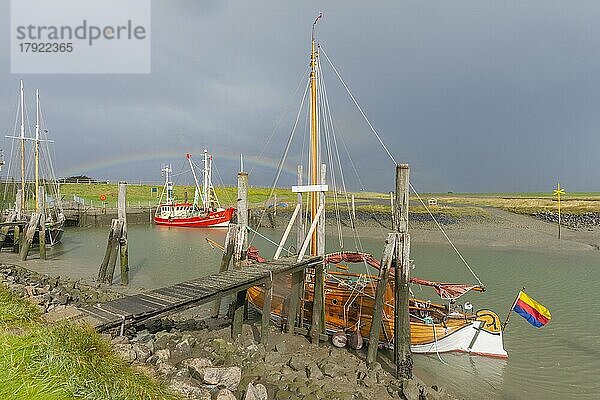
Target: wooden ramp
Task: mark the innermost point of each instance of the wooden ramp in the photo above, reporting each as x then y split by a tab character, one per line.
137	308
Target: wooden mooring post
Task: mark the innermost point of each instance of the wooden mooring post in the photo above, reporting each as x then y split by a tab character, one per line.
297	277
123	245
225	261
29	232
17	229
386	262
266	312
402	354
41	200
12	216
241	247
116	244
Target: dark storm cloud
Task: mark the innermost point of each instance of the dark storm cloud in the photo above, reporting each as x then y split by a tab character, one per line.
476	96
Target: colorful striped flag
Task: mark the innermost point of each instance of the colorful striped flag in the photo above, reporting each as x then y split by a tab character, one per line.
531	310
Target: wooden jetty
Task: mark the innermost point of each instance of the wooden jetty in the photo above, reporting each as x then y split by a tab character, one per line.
134	309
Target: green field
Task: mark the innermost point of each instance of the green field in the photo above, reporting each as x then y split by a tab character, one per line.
452	204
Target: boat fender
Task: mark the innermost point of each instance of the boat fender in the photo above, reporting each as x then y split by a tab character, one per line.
339	339
355	340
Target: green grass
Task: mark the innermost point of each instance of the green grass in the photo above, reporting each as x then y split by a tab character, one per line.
517	202
62	361
141	194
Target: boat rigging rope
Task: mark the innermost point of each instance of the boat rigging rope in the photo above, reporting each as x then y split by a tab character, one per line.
283	158
395	163
268	240
329	135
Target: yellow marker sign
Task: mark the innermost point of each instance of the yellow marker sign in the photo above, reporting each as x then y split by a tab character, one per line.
557	192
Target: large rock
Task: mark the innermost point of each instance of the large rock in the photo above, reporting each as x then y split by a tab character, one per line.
297	363
313	371
196	366
142	351
126	352
189	388
184	347
225	394
411	389
164	368
256	392
228	377
163	354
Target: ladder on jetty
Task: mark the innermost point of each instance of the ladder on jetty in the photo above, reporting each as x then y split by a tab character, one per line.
134	309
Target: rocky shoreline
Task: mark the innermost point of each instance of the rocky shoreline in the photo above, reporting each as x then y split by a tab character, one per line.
198	359
574	221
365	219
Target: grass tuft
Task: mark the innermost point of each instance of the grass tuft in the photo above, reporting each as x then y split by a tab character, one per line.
63	361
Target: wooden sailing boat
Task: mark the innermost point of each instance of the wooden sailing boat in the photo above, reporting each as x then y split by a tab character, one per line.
43	175
204	212
349	297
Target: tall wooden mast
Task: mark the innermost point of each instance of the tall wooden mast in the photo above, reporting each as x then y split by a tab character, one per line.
22	140
37	148
314	138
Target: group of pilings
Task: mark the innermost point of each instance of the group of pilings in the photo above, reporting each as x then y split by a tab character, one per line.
396	257
24	230
116	245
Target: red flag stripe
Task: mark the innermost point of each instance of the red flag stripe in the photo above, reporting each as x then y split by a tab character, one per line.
526	307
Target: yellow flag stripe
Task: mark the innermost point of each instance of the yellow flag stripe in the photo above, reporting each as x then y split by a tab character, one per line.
535	305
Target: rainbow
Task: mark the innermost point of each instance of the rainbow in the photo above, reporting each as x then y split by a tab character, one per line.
124	160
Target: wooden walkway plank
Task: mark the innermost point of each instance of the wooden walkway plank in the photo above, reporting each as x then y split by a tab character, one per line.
154	303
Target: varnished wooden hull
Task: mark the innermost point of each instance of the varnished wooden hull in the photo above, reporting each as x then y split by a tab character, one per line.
432	328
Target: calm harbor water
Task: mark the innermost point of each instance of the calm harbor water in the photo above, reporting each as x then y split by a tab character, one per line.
561	360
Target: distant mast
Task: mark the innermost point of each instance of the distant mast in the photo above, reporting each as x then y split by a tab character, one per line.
22	139
37	148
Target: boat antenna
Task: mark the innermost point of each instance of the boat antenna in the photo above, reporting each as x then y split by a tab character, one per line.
315	23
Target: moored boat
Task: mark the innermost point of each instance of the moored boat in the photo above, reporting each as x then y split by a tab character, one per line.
349	296
21	188
204	212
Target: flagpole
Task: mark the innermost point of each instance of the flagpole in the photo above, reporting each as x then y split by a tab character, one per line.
511	308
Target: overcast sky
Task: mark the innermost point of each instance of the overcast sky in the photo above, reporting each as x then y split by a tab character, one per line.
477	96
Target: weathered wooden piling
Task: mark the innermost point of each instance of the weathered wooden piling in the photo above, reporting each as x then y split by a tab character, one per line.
29	234
386	262
242	217
16	239
123	246
402	354
41	205
266	312
114	251
225	261
104	264
238	314
318	311
117	243
12	216
19	216
297	277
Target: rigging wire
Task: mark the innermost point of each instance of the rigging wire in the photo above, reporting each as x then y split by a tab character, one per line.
283	158
395	163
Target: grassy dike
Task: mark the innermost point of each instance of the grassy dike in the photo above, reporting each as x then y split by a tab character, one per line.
62	361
